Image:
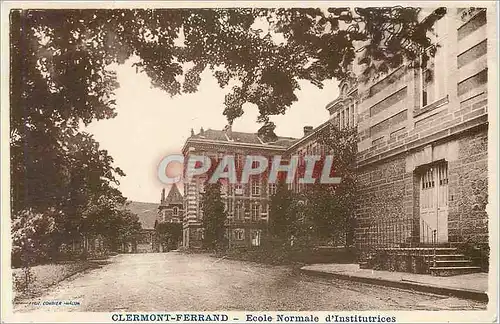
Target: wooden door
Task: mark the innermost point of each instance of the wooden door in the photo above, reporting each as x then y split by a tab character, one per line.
442	202
434	204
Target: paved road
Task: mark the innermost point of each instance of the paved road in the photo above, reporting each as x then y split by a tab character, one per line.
174	281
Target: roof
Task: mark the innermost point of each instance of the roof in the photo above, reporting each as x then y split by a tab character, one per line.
147	212
174	196
310	135
241	137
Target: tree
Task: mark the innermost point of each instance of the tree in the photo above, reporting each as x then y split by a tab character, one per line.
331	207
282	214
214	217
169	234
32	237
61	77
128	228
65	54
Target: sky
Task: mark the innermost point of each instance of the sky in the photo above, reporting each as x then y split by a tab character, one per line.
150	124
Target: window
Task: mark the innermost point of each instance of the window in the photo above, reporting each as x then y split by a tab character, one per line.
347	116
229	207
255	187
433	72
200	208
238	189
238	162
255	212
239	234
342	118
238	211
272	189
351	110
255	235
175	211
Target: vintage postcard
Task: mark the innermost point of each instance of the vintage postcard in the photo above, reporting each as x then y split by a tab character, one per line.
278	162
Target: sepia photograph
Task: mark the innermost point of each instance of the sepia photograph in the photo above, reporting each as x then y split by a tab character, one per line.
249	162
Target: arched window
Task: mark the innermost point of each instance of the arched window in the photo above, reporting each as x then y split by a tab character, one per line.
176	211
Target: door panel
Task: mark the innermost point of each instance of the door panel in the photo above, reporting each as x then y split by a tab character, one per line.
434	204
428	219
442	206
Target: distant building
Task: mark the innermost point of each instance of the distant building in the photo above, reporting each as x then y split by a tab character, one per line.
170	211
147	213
247	205
171	206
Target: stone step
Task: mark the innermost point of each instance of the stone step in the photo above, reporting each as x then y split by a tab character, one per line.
445	256
450	263
421	251
452	271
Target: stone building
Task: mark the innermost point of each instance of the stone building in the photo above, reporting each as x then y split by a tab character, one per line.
246	204
170	210
422	152
171	206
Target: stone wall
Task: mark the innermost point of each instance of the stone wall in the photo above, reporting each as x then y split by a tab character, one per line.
468	195
385	206
389	193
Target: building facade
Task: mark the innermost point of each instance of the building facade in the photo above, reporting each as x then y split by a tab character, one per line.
171	206
247	205
422	153
170	210
422	150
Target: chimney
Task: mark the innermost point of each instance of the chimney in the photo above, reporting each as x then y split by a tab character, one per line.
192	132
229	131
307	130
162	195
202	131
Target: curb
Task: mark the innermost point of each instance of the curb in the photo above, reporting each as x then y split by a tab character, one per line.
460	293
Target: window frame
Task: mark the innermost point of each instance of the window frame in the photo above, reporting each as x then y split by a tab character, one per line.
255	187
255	212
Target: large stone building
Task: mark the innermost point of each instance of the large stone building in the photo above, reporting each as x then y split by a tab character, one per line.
246	204
422	150
422	153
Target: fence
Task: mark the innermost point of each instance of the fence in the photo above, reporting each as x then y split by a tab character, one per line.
394	233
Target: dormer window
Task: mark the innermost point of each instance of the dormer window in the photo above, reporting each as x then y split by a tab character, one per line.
175	211
344	89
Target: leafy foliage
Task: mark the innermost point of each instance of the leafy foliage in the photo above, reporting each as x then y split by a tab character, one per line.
322	210
267	50
169	234
32	237
337	202
214	217
283	218
61	79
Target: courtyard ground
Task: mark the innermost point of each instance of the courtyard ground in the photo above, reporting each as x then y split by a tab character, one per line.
194	282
